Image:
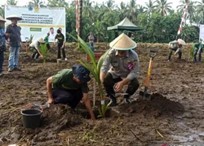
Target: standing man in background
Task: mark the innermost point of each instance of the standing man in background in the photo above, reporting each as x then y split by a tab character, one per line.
91	39
13	33
61	45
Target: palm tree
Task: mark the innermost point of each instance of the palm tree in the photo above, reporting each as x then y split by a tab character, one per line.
57	3
132	10
149	7
11	2
110	4
2	11
88	9
37	3
200	11
191	9
163	7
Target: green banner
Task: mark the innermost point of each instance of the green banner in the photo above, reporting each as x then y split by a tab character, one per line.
36	29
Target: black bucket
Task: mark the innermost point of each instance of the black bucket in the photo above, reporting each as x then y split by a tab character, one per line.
31	118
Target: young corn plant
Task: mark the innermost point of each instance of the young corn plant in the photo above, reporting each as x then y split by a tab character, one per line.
94	67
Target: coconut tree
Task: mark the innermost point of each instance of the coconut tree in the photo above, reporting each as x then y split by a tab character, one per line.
122	10
110	4
200	11
132	10
191	9
163	7
149	7
37	3
87	8
57	3
11	2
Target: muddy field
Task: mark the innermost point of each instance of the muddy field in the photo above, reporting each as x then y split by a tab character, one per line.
175	115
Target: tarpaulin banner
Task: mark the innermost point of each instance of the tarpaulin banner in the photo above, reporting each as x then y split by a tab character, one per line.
201	35
37	22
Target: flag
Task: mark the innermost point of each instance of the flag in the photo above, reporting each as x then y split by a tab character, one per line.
183	19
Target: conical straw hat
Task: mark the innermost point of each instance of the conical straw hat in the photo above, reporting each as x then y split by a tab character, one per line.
182	42
11	17
41	40
123	42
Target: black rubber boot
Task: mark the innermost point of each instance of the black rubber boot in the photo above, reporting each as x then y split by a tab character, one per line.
113	100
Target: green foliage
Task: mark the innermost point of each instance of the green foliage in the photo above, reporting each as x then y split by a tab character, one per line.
192	51
11	2
30	39
159	21
44	51
158	28
103	109
190	33
94	67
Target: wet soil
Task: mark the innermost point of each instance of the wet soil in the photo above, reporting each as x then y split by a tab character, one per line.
174	115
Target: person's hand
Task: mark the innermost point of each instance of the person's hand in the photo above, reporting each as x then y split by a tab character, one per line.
93	118
118	86
41	56
50	100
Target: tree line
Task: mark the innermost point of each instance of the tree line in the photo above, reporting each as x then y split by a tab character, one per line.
158	20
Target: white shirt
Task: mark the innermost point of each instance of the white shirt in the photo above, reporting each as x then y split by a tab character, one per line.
34	44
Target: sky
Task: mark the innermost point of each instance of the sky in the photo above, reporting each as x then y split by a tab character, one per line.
175	3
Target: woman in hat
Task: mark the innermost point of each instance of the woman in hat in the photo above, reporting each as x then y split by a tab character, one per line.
13	32
120	67
69	86
176	46
2	44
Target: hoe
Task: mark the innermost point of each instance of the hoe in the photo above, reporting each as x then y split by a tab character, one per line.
145	94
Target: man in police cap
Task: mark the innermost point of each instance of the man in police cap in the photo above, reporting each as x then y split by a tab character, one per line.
69	86
120	67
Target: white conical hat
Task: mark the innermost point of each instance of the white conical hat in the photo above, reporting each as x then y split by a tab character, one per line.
123	42
11	17
41	40
2	19
182	42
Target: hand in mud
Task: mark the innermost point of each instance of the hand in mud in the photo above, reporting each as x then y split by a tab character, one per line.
41	56
94	122
50	100
118	86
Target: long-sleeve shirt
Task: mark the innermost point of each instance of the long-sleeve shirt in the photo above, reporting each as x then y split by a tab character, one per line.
2	39
35	44
14	32
173	45
125	67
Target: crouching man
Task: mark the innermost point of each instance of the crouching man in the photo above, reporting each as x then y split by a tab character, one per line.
120	67
176	46
69	86
36	46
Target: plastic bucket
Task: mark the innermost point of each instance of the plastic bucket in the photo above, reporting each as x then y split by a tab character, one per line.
31	118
